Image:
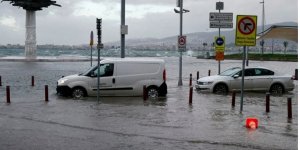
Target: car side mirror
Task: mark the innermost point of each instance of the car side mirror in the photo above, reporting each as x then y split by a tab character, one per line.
236	76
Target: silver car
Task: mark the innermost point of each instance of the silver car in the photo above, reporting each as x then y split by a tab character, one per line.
255	79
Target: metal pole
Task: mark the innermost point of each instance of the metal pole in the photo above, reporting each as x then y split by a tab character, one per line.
122	24
263	27
98	77
180	57
247	59
91	56
219	62
243	75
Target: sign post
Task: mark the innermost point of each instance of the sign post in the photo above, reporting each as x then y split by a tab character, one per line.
220	20
245	36
91	44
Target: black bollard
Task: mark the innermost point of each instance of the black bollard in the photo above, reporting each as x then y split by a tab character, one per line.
296	74
289	107
208	72
32	80
233	99
267	102
197	75
0	81
191	96
190	79
145	95
7	94
46	93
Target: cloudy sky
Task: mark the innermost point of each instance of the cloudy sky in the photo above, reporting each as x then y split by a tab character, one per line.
72	23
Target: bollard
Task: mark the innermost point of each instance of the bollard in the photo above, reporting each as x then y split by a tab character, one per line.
190	79
296	74
233	99
0	81
191	96
289	107
267	102
145	93
7	94
197	75
32	80
208	72
46	93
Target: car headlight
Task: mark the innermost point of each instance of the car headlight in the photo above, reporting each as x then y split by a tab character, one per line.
205	83
62	81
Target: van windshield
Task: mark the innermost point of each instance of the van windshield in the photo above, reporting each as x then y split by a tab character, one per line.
87	71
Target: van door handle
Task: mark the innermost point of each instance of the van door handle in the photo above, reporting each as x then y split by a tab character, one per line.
113	80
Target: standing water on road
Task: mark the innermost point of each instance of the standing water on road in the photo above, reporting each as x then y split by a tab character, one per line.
131	123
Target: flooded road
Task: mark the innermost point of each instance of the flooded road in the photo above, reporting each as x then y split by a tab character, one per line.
130	123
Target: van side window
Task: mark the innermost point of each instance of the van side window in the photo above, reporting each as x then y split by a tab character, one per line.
106	70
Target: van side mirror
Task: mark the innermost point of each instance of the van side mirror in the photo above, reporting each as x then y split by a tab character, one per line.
92	74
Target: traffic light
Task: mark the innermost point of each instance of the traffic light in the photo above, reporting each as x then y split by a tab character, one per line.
99	23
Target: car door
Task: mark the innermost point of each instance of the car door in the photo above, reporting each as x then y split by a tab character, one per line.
236	82
106	80
262	79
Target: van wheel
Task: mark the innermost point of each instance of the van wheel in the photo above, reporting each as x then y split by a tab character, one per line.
152	92
78	92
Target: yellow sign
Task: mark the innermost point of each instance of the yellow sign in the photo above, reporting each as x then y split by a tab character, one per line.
219	44
245	34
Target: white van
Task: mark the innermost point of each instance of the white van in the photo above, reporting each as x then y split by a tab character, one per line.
118	77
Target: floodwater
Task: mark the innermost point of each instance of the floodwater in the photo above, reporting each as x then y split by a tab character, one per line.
130	123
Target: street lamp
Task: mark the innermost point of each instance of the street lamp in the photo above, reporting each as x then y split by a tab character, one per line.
180	11
263	27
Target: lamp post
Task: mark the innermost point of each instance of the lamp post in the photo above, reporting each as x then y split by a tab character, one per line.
181	11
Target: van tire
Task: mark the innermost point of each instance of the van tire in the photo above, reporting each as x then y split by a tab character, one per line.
152	92
78	92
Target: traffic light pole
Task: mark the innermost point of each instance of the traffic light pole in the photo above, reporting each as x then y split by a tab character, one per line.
99	46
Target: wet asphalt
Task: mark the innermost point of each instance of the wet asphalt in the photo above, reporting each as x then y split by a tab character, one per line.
210	123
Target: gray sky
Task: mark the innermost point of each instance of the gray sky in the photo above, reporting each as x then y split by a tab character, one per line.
72	23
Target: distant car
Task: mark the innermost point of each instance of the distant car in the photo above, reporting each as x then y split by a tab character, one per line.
255	79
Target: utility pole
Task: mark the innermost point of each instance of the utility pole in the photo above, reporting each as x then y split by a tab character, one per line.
180	57
123	29
181	39
263	28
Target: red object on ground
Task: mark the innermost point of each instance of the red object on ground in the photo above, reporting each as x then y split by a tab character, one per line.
252	123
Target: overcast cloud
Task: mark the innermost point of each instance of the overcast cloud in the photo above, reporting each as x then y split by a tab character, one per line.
72	23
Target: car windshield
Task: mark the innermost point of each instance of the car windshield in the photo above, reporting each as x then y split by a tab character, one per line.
230	72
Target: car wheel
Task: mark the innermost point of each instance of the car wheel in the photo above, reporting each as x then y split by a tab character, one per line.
277	89
152	92
220	89
78	93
